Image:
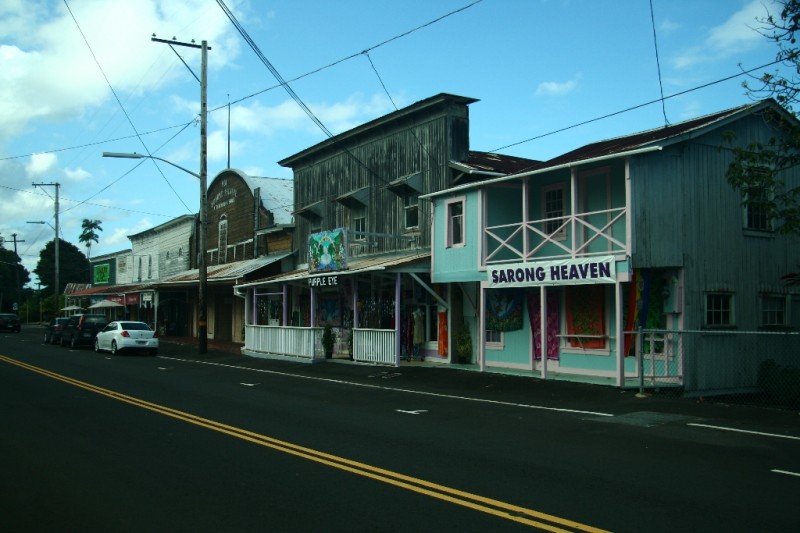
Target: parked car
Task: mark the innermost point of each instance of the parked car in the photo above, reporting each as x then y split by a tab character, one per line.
52	332
80	330
9	322
126	335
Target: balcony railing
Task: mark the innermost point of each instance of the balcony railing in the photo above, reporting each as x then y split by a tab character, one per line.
581	235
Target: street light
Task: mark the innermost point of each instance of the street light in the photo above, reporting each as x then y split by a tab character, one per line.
55	244
202	326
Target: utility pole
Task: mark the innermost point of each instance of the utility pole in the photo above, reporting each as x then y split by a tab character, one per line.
202	267
55	288
16	271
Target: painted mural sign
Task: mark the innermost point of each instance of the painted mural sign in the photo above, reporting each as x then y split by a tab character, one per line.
563	272
102	274
327	251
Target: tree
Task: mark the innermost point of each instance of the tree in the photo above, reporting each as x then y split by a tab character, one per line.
760	166
89	234
72	265
9	288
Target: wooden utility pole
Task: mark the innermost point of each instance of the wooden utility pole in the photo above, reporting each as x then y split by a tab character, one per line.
55	288
202	267
16	271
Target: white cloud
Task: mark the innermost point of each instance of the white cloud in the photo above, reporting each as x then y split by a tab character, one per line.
555	88
76	174
734	36
40	164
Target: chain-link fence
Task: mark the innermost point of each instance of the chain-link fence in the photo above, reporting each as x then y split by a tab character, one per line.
747	366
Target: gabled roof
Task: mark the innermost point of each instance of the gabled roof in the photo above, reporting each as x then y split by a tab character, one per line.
277	194
166	225
665	135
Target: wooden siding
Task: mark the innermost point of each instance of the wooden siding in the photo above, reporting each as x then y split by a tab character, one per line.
410	145
685	214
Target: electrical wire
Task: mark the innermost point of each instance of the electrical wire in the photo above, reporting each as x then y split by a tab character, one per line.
658	64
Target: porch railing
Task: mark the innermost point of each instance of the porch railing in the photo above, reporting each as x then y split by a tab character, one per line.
285	340
583	234
375	346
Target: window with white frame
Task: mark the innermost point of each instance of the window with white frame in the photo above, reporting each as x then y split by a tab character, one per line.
774	311
553	211
719	311
756	208
494	339
359	217
455	223
411	209
222	245
149	267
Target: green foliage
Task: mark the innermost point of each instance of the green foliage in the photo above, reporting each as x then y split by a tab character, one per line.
760	165
89	233
782	383
462	344
328	339
73	265
11	271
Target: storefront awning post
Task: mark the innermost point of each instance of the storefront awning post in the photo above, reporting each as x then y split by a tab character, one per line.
397	293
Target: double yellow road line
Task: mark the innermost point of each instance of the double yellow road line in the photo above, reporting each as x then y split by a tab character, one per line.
476	502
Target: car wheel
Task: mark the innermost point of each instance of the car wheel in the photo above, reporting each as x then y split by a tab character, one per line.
96	346
113	347
61	341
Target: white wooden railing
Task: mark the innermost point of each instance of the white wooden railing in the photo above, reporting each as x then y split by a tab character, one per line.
375	346
284	340
524	241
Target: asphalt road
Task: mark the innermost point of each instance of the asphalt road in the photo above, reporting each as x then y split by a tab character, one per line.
94	442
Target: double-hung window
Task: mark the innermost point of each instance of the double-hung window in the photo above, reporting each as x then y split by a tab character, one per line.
222	253
757	198
553	212
719	311
774	311
411	209
455	223
359	216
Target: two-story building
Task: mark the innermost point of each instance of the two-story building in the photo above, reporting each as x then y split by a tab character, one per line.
363	239
552	269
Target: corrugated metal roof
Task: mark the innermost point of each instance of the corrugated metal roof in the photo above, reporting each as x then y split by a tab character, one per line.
503	164
226	272
354	267
277	196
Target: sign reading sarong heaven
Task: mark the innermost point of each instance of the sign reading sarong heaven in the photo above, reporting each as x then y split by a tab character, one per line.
563	272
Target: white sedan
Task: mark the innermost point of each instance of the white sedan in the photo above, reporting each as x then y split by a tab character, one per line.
126	335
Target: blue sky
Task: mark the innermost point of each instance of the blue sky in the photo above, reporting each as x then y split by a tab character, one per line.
79	77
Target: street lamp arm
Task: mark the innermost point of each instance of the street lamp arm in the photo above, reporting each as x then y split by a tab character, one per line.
142	156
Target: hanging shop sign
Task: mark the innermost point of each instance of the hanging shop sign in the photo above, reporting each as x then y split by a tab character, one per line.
564	272
323	281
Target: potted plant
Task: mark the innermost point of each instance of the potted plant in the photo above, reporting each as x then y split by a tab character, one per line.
328	341
462	345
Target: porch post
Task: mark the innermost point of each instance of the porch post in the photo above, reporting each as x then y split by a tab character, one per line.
573	200
543	329
481	326
285	290
355	303
397	321
619	329
313	307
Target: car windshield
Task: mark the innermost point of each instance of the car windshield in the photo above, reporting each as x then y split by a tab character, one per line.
135	325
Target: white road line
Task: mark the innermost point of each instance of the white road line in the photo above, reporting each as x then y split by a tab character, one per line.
760	433
393	389
785	472
415	412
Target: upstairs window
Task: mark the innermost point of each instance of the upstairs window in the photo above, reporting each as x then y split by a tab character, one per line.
756	208
411	209
719	310
222	246
359	215
455	223
149	267
553	212
774	311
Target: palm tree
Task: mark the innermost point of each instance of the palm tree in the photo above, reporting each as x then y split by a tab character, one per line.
89	234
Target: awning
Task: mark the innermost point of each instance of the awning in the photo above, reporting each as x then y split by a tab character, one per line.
71	308
105	304
373	264
355	199
411	184
312	211
226	272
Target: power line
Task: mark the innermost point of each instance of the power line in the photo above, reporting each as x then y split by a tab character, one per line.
633	108
658	63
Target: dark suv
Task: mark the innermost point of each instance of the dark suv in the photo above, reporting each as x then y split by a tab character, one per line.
9	322
81	330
